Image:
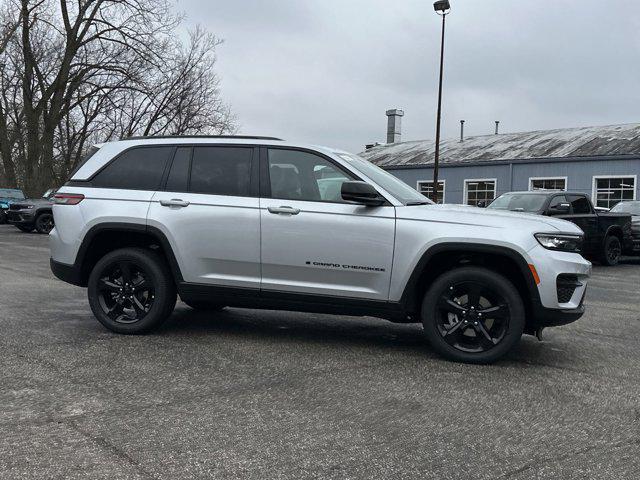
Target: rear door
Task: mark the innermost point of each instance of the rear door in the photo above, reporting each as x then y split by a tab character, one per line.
312	241
209	212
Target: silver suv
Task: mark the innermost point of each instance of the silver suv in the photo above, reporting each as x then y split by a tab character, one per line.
261	223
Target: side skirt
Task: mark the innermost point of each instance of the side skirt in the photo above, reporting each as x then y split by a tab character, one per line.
298	302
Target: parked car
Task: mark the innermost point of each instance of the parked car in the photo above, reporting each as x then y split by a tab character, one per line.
632	208
607	234
8	195
250	222
33	213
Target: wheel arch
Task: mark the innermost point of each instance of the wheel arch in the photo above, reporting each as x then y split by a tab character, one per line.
106	237
445	256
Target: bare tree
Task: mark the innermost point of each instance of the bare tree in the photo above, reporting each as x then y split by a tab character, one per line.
77	72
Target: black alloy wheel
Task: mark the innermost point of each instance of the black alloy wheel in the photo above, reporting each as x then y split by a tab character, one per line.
473	315
125	292
44	223
612	251
131	290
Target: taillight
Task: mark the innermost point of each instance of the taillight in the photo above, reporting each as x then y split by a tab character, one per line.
67	198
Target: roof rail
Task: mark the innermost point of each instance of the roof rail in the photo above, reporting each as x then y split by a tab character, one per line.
240	137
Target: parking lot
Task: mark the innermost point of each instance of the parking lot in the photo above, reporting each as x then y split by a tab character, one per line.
263	394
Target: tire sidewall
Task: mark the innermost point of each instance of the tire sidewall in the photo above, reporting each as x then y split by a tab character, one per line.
489	279
38	226
158	275
607	244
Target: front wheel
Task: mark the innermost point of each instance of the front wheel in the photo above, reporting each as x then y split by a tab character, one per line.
131	291
44	223
611	251
473	315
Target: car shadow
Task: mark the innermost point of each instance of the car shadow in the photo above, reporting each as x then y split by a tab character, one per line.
272	325
307	327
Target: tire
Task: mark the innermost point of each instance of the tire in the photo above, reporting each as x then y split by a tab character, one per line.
25	228
204	306
611	251
44	223
452	315
138	305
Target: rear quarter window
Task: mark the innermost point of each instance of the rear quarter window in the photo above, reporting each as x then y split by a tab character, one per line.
139	168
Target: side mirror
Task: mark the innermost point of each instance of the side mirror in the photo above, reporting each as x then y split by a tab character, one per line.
560	209
361	193
481	204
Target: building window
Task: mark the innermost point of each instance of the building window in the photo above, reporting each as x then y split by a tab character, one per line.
480	191
426	188
559	183
608	191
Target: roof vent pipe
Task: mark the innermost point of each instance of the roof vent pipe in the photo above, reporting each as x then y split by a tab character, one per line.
394	125
462	130
497	123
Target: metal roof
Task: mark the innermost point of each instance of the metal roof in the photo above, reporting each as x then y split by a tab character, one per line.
612	140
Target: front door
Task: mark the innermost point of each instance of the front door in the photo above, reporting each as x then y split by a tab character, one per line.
209	212
312	241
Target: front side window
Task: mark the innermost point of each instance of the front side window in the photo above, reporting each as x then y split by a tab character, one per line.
139	168
480	192
396	187
297	175
221	170
548	184
612	190
426	188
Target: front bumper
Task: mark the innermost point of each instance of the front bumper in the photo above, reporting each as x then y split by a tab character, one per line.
21	217
554	307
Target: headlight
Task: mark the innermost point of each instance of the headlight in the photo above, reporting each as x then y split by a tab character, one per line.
27	206
560	241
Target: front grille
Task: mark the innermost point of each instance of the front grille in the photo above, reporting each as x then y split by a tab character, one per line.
566	285
16	206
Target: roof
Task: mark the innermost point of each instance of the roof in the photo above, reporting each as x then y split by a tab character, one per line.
612	140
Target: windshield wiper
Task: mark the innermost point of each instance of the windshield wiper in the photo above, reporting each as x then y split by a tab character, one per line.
410	204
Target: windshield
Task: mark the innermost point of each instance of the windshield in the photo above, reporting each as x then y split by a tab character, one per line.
627	207
11	193
400	190
519	202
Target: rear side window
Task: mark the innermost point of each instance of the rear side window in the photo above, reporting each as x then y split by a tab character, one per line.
178	179
580	204
136	169
221	170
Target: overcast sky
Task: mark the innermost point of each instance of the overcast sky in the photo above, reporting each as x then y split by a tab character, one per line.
325	71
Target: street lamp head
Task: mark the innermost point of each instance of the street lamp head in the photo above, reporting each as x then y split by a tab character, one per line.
442	7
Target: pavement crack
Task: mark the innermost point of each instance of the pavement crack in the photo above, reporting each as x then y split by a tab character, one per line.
564	456
109	447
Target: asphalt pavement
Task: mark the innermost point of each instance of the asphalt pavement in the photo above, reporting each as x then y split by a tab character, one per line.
271	395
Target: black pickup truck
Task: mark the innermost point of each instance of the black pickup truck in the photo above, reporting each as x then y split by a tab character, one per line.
607	235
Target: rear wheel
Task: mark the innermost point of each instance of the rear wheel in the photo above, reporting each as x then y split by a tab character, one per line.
131	291
44	223
473	315
611	251
25	228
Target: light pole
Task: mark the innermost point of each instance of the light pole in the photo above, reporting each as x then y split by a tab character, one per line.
442	8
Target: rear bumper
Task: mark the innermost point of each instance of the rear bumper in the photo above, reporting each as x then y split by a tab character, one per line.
67	273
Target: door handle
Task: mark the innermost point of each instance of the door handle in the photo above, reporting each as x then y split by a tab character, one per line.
174	202
284	210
